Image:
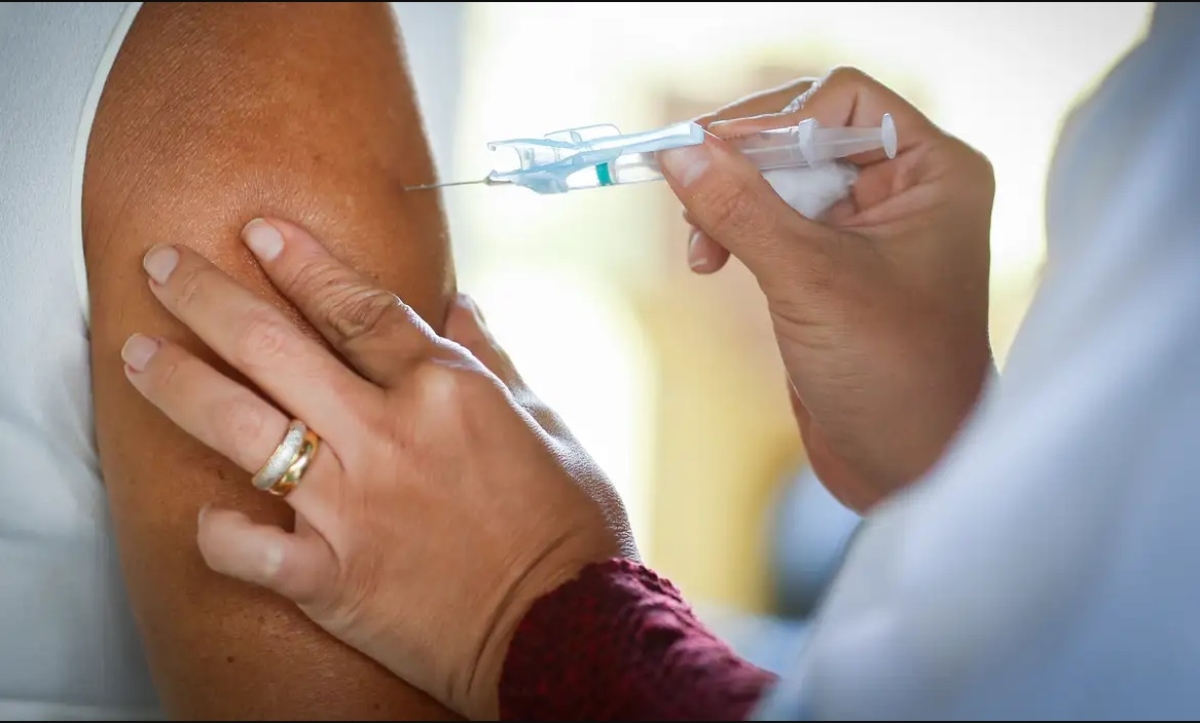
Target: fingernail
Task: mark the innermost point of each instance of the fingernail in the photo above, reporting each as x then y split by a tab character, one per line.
159	262
697	259
263	239
138	351
685	164
200	515
796	104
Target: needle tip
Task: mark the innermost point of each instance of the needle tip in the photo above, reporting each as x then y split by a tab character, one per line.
445	185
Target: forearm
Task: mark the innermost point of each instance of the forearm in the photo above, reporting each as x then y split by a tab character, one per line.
619	643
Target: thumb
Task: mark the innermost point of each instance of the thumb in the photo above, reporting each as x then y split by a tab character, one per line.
465	326
298	568
728	198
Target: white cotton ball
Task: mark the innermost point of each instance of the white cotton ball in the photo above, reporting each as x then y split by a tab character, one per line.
813	191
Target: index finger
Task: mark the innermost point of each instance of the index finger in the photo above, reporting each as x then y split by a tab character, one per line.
256	338
773	100
845	97
371	327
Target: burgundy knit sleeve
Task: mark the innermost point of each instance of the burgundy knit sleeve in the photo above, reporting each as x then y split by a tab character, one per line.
619	643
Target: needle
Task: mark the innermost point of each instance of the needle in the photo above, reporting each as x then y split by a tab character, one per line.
428	186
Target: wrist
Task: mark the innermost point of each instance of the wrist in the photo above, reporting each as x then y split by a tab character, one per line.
543	580
947	394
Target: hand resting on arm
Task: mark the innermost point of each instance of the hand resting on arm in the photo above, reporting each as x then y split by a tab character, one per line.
441	501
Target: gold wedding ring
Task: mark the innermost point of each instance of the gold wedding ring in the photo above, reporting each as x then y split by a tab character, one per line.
283	470
296	469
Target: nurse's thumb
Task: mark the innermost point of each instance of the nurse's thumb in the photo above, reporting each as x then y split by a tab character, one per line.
299	568
727	197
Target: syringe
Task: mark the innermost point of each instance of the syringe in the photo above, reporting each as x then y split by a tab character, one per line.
600	156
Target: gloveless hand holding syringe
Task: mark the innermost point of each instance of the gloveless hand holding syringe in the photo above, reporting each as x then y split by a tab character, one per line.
600	155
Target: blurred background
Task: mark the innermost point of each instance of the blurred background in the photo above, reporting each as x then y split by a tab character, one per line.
672	381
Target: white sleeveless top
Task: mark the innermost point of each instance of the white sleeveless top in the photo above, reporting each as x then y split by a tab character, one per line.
68	646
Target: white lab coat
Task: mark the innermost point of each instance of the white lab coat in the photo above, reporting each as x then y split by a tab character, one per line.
1049	567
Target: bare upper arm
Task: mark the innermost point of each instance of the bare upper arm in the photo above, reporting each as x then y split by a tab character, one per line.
216	113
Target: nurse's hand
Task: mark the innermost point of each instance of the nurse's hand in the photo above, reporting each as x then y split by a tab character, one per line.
881	310
442	498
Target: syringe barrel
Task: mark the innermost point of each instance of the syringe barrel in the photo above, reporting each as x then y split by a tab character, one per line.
797	146
769	150
625	169
765	154
554	164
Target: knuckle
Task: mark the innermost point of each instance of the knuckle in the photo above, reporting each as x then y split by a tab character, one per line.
987	172
972	162
477	344
191	286
263	338
731	208
818	270
449	387
312	277
440	383
355	311
844	80
166	368
845	75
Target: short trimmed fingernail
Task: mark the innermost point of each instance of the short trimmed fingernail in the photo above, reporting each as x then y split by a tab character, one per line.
697	259
263	239
796	104
685	164
138	351
160	261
